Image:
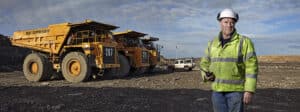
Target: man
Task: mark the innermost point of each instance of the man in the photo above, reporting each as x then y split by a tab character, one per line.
231	65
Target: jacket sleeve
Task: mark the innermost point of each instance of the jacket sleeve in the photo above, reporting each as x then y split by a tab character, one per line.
205	62
251	66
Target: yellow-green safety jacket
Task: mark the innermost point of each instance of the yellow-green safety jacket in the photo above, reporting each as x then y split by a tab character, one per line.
235	65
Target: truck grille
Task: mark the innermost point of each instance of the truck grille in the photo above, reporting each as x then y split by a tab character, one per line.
145	57
109	55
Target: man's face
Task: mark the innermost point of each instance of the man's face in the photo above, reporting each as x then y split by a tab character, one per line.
227	25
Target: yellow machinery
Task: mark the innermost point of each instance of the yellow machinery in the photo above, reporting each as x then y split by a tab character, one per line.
154	54
77	50
134	57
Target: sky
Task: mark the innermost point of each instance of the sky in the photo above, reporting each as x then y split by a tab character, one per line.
272	25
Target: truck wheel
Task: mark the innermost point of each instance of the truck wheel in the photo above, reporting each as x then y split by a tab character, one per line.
139	71
75	67
134	71
36	67
121	72
143	71
124	66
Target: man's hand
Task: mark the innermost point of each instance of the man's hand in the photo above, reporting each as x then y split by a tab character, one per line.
209	76
247	97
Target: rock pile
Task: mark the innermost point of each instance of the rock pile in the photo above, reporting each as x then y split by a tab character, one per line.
11	58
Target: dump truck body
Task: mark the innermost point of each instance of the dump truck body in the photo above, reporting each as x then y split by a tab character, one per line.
91	41
130	45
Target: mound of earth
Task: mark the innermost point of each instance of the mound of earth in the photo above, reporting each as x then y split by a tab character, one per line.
11	58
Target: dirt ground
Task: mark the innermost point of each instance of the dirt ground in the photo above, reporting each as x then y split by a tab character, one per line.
278	91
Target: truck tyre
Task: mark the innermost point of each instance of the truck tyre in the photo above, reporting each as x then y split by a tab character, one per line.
124	66
36	67
143	70
151	69
134	71
121	72
75	67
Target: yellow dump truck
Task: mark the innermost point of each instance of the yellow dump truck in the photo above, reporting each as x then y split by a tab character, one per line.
134	57
154	54
77	50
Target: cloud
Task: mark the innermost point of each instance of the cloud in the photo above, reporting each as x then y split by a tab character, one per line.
294	46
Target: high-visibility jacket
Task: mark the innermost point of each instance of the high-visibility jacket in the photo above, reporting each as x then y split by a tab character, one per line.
235	65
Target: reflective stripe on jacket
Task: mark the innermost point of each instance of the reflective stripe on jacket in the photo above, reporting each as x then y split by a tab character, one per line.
234	65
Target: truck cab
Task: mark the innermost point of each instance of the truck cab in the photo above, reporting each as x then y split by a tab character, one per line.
154	51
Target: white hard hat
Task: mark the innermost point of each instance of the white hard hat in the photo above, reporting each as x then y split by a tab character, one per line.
228	13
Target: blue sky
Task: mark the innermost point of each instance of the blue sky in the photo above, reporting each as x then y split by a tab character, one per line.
273	25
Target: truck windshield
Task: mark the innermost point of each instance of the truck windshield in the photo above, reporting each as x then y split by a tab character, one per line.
130	42
89	36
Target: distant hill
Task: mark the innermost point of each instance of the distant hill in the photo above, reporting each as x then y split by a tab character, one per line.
279	59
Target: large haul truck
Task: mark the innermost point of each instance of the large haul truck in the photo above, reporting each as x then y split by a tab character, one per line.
154	51
77	50
134	57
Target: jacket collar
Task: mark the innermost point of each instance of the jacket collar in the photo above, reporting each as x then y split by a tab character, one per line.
233	37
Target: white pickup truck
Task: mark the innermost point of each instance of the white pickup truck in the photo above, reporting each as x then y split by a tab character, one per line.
185	64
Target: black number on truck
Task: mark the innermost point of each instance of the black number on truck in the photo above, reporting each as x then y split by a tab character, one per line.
108	55
145	57
109	51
